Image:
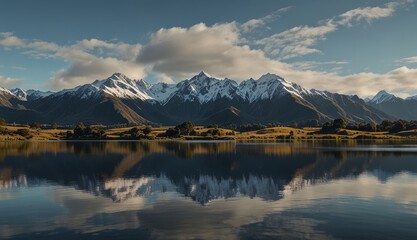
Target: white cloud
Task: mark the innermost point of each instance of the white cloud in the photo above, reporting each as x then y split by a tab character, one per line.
367	14
9	82
297	41
9	40
399	81
176	53
408	60
311	65
253	24
300	41
182	52
86	63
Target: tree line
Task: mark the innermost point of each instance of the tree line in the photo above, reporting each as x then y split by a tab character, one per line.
384	126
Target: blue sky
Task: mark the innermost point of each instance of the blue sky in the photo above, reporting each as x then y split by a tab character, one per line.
352	47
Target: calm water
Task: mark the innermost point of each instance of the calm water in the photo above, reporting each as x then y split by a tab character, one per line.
223	190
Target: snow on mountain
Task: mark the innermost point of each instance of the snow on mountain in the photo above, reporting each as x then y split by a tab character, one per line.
268	86
6	93
412	98
19	93
202	88
29	94
118	85
32	94
205	88
162	92
382	96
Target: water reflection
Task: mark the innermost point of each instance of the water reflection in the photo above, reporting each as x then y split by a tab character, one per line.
121	189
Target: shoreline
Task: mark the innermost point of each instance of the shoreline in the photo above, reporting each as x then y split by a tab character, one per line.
272	134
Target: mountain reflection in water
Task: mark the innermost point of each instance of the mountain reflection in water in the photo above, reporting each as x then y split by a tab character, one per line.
145	173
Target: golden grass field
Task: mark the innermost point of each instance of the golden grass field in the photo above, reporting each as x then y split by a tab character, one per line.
267	134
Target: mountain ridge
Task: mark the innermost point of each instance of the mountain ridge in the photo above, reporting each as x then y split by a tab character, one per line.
201	99
401	108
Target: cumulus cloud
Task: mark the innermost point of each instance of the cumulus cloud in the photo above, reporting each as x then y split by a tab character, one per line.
90	59
182	52
9	82
173	54
300	41
400	81
81	72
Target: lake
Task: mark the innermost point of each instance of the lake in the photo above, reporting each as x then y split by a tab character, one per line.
208	190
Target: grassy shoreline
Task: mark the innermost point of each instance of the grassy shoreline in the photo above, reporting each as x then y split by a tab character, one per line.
273	134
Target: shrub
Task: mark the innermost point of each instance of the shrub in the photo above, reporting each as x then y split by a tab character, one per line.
24	132
172	132
35	125
147	130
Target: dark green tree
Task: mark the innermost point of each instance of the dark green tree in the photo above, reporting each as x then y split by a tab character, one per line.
185	128
397	127
134	132
172	132
79	130
24	132
339	123
147	130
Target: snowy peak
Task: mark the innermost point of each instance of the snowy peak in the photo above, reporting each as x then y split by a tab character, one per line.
269	86
204	88
202	75
383	96
201	88
117	85
270	76
19	93
36	94
118	76
29	94
6	91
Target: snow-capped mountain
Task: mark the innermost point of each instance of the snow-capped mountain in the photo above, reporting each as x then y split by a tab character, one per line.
202	99
204	88
383	96
118	85
19	93
30	94
268	86
399	108
201	88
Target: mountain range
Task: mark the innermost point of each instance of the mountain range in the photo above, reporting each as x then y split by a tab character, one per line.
201	99
395	106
